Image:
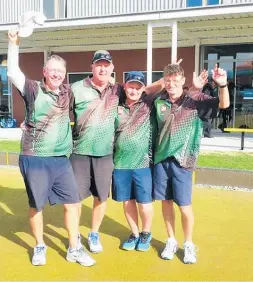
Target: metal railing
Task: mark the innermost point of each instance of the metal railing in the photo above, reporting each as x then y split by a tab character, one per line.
10	10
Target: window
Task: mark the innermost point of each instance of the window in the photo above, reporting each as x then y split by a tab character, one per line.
213	2
195	3
54	9
156	75
5	88
76	76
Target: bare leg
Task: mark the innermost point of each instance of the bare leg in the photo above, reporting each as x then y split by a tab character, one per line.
187	220
36	223
131	213
169	217
71	222
98	214
146	214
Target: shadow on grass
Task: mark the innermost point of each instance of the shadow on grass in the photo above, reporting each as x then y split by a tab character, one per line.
14	220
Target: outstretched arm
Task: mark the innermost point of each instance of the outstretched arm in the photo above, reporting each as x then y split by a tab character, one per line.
220	77
15	74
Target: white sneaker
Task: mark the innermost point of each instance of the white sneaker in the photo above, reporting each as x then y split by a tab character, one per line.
39	255
94	243
80	256
170	249
190	253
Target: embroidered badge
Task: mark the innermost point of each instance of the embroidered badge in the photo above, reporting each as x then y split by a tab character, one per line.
163	108
120	110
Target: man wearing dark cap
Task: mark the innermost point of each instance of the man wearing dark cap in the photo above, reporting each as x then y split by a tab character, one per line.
95	110
132	181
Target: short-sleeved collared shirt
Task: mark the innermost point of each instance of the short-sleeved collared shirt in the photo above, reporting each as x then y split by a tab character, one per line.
48	131
180	126
94	114
134	135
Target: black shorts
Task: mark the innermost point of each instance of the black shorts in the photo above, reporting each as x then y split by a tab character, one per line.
93	175
48	179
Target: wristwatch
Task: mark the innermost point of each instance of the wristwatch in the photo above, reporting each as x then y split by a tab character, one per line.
223	86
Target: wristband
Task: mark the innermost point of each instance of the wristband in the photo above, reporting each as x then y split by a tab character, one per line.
223	86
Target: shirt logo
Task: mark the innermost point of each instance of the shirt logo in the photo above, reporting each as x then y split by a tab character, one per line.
163	108
120	110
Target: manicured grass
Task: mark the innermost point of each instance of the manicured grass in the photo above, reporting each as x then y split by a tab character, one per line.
218	215
10	146
232	160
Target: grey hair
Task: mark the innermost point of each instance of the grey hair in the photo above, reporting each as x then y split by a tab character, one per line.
56	58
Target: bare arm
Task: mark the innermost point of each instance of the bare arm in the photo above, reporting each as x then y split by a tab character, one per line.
14	73
220	77
155	87
224	98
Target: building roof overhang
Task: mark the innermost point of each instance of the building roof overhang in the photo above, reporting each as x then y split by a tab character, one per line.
204	26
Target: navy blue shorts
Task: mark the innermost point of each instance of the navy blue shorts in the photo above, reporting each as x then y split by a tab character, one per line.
129	184
48	179
172	182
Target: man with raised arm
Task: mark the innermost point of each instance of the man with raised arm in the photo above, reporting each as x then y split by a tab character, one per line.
180	119
46	143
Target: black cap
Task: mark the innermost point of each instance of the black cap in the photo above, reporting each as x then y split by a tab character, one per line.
101	55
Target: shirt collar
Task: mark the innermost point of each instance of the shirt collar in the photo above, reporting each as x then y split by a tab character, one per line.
165	96
88	83
64	88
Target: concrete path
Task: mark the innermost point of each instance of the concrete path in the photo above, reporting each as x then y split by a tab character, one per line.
227	142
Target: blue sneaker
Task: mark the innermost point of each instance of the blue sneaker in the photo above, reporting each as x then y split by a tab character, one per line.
131	243
144	242
94	243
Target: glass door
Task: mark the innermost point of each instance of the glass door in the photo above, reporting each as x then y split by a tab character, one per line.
243	100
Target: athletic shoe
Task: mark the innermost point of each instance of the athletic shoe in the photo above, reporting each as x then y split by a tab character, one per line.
94	243
131	243
190	253
80	256
39	255
144	242
170	249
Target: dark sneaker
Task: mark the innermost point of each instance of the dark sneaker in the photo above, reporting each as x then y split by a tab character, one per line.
144	242
131	243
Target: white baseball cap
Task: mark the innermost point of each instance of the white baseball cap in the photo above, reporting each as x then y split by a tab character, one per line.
28	21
